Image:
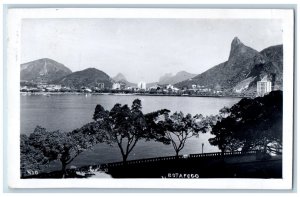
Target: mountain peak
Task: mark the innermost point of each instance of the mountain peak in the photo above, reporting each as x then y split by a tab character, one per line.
238	49
169	78
236	41
119	77
182	72
43	70
236	44
243	69
89	77
91	68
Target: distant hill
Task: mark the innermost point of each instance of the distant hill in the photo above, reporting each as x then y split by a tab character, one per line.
43	70
88	77
148	85
121	78
180	76
244	67
165	77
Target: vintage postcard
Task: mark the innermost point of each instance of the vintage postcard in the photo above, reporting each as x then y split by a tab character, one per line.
150	98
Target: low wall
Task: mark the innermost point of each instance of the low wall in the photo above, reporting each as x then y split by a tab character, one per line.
228	156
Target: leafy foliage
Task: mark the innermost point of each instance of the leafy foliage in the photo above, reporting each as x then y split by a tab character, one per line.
43	146
125	126
178	128
224	135
31	158
251	124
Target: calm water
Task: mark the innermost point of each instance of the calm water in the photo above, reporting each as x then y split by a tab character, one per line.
68	112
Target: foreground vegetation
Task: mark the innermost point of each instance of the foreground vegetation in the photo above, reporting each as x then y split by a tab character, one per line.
251	124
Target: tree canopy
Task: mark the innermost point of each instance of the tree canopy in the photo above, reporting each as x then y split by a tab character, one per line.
178	128
31	159
126	126
251	124
43	146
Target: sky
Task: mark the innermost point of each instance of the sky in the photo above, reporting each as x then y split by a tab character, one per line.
143	49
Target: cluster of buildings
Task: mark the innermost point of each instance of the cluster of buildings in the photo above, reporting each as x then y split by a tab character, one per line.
43	87
118	86
122	86
204	89
264	86
142	86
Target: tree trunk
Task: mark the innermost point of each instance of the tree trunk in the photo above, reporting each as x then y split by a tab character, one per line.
222	151
177	154
125	159
63	169
265	148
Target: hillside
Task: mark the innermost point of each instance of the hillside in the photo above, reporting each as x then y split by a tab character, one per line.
244	67
86	78
43	70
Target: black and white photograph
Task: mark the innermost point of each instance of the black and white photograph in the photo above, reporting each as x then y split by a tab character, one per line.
118	98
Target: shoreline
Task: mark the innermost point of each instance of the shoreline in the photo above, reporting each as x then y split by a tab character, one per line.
121	94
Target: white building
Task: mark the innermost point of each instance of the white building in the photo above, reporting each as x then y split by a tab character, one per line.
101	85
52	87
141	85
172	88
264	87
116	86
169	86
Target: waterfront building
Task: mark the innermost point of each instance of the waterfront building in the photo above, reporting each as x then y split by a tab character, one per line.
101	85
122	86
52	87
116	86
155	87
141	85
172	88
169	86
264	87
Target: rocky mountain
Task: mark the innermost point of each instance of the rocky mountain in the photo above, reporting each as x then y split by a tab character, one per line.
173	79
122	79
43	70
165	77
244	67
119	77
88	77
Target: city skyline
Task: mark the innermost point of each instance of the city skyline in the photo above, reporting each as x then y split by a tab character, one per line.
143	49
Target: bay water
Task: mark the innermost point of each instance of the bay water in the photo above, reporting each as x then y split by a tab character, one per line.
66	112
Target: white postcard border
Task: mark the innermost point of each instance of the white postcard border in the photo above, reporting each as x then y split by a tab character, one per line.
15	17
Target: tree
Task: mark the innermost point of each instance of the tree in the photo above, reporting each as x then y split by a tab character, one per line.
224	135
154	130
178	128
64	146
31	159
124	126
222	127
259	122
251	124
